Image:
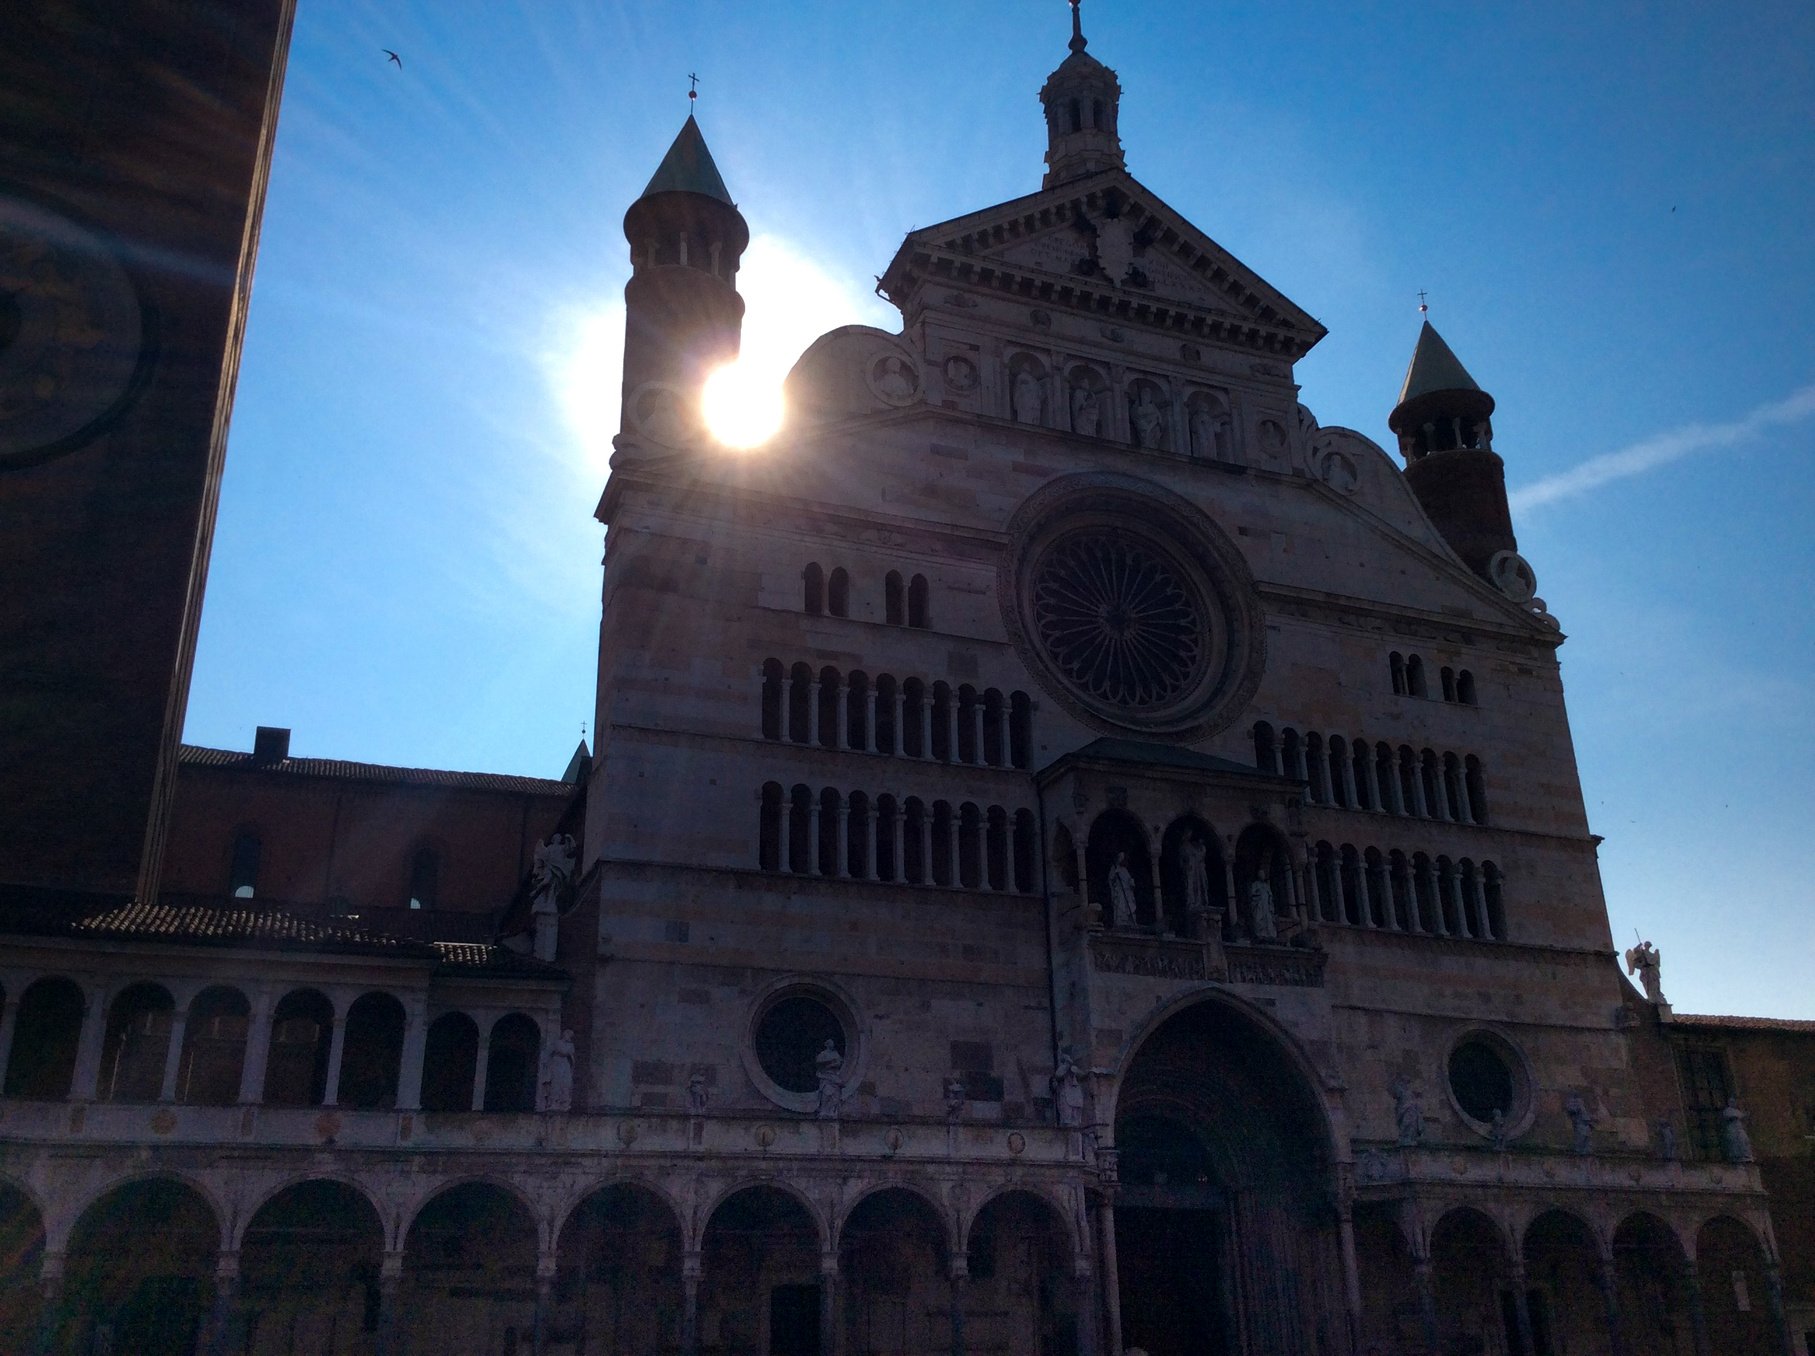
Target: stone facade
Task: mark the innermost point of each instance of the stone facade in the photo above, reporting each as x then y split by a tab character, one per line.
1078	857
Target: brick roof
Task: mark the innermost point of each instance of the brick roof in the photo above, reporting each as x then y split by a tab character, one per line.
487	956
193	755
1743	1023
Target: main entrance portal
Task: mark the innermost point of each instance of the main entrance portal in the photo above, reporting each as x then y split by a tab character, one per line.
1224	1240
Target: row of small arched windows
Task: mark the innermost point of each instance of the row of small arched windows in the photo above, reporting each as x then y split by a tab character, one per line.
906	840
904	602
216	1051
912	718
1356	775
1408	892
1409	680
424	875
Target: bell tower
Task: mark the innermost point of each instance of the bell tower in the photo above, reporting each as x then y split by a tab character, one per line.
1082	98
683	315
1445	434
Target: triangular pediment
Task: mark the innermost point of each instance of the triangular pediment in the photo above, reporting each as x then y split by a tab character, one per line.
1106	243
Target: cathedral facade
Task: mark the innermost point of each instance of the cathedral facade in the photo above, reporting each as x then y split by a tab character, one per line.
1078	858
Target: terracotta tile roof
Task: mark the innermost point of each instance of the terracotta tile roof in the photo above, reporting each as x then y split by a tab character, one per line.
195	756
487	956
204	923
1743	1023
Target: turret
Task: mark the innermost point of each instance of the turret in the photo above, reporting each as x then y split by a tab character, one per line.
683	315
1445	434
1082	99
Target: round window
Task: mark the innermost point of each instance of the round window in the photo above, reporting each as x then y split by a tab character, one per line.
1482	1081
790	1035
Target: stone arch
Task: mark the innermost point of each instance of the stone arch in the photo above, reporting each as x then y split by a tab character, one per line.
407	1218
136	1042
139	1265
620	1251
1471	1256
46	1034
1184	835
372	1051
761	1276
311	1258
214	1046
1060	1212
1734	1263
564	1212
822	1230
470	1256
1113	834
1562	1251
948	1225
894	1250
1263	851
296	1070
1021	1260
243	1218
1651	1271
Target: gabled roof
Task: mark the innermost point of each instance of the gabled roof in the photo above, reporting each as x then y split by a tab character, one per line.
1434	368
688	168
192	755
1162	757
1195	285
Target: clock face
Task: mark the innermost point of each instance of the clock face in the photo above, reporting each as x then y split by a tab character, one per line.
72	333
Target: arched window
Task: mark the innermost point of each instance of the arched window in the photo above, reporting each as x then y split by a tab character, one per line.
1424	893
1116	835
136	1043
995	848
1020	730
1447	899
1465	688
967	725
857	712
513	1064
425	878
838	593
1339	772
46	1032
1379	892
1493	885
1025	840
1436	804
918	613
214	1047
1351	886
1318	769
1448	677
768	828
1411	786
1076	112
1386	779
944	839
813	589
857	836
915	869
1414	677
939	732
830	687
828	832
242	872
800	703
1292	754
887	704
913	718
1187	842
774	694
992	728
800	830
1477	788
1405	910
372	1052
1362	769
1473	902
302	1032
1266	750
888	845
1452	789
894	608
450	1062
1396	662
1329	887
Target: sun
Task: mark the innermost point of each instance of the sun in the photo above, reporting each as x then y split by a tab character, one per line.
742	405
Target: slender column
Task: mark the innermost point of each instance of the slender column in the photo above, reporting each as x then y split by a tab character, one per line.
926	727
1232	907
1364	889
1428	874
415	1043
828	1304
88	1045
1463	922
1087	1308
219	1341
897	736
952	746
9	1022
1395	789
1439	810
1462	801
977	744
813	838
926	846
690	1302
1522	1309
1698	1315
1112	1276
899	842
1419	808
173	1054
258	1050
869	823
1298	770
1351	1275
953	835
545	1297
390	1282
337	1046
482	1065
869	722
50	1305
1370	784
1774	1296
960	1274
1427	1301
1609	1279
1345	771
841	736
812	710
1477	904
842	848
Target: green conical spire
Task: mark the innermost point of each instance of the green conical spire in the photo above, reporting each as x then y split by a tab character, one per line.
1434	368
688	168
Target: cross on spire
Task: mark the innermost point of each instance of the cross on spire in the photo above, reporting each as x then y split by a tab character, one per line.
1423	308
693	90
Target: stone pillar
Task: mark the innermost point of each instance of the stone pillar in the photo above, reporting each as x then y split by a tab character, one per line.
1370	784
1779	1319
88	1046
926	726
1428	875
869	722
1112	1276
842	848
482	1065
1087	1308
1609	1280
258	1049
337	1046
900	729
415	1050
952	746
9	1021
545	1298
869	821
813	838
1458	903
1522	1308
1394	791
1351	1268
690	1302
841	736
926	845
1427	1300
953	841
50	1305
1436	790
390	1282
978	746
1364	891
1346	773
219	1334
1462	801
1698	1315
812	710
960	1274
828	1304
1477	903
1419	808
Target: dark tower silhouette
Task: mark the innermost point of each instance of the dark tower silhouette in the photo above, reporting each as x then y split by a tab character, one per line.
1445	434
1082	99
683	314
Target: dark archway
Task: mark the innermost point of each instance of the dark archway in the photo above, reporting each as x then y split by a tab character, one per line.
373	1052
1471	1274
760	1285
450	1063
46	1033
1736	1295
618	1287
894	1272
1117	834
140	1271
469	1273
21	1261
136	1044
302	1033
513	1064
1652	1278
214	1047
1564	1300
1223	1235
1020	1295
309	1273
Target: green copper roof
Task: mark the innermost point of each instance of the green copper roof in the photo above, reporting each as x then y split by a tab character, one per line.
688	168
1434	368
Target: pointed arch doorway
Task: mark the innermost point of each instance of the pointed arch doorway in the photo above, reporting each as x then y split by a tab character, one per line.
1225	1240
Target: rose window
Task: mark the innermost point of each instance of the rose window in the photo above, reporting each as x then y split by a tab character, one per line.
1119	620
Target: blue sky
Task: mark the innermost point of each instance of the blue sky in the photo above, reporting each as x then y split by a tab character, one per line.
1609	206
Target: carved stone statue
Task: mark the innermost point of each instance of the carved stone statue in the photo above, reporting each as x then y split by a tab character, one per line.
1028	398
1260	910
1191	857
1408	1111
1086	411
894	378
557	1083
1121	893
954	1099
1645	960
552	872
696	1094
1147	420
1581	1123
1666	1139
828	1066
1202	431
1733	1138
1067	1092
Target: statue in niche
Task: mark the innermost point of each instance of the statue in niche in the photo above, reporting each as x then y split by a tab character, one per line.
1086	411
1192	855
1147	420
557	1083
1734	1141
1272	437
828	1067
954	1099
1067	1092
1666	1139
696	1094
1121	893
1645	961
1497	1130
1027	397
551	875
1581	1124
1408	1112
1260	909
894	378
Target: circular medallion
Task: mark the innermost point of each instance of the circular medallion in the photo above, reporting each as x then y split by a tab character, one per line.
1513	576
72	333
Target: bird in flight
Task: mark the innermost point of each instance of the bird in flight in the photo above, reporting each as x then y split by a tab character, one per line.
393	56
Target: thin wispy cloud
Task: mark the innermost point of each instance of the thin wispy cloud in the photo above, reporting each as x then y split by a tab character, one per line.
1663	448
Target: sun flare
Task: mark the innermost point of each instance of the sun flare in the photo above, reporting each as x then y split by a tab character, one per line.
742	405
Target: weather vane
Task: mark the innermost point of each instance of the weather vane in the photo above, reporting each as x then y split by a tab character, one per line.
1423	309
693	90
